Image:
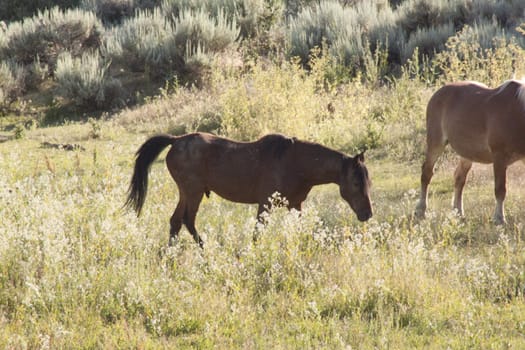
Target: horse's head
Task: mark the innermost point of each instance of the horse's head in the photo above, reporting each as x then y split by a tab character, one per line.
355	186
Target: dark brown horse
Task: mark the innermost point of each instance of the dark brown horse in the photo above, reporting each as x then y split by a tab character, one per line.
482	125
248	172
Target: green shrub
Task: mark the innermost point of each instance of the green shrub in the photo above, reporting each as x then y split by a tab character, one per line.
484	32
11	82
110	11
346	31
293	7
427	24
508	14
143	43
115	11
86	82
427	40
14	10
196	30
49	33
37	73
412	15
247	13
150	42
483	53
349	30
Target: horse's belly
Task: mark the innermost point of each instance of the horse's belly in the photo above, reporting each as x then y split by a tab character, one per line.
476	152
469	139
237	194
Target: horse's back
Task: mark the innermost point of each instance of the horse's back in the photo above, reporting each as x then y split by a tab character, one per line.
455	100
234	170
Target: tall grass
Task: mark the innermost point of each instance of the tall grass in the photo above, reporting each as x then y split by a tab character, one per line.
79	272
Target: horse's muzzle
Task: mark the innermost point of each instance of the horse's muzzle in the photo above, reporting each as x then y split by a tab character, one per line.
364	216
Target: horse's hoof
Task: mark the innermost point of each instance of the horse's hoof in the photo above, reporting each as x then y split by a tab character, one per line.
498	221
172	242
419	214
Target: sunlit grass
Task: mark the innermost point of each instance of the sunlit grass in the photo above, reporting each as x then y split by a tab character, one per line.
79	271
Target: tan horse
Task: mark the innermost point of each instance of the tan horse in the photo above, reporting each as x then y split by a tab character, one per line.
248	172
482	125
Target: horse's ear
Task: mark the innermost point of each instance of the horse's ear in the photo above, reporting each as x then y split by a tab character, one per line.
361	156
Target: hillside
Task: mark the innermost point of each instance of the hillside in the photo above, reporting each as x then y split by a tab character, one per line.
92	57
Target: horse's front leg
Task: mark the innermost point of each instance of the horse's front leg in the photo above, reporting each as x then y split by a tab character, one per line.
434	150
500	190
262	213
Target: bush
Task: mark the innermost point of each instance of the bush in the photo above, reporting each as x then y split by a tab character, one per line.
48	34
427	40
508	14
150	42
143	43
198	31
115	11
427	24
348	31
110	11
483	53
412	15
345	30
11	82
247	13
14	10
86	82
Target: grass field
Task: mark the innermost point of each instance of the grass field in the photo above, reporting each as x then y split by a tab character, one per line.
78	271
82	89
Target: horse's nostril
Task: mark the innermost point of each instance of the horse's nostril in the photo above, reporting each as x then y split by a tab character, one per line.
365	216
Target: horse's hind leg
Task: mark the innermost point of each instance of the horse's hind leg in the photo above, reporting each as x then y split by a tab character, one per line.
500	190
460	177
192	206
435	147
176	221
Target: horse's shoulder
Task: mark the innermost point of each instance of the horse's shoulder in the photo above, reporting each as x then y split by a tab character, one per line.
276	145
510	86
512	90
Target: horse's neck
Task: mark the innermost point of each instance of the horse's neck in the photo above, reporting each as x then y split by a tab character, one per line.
320	164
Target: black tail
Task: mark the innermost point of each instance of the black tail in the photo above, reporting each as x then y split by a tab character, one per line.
145	156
